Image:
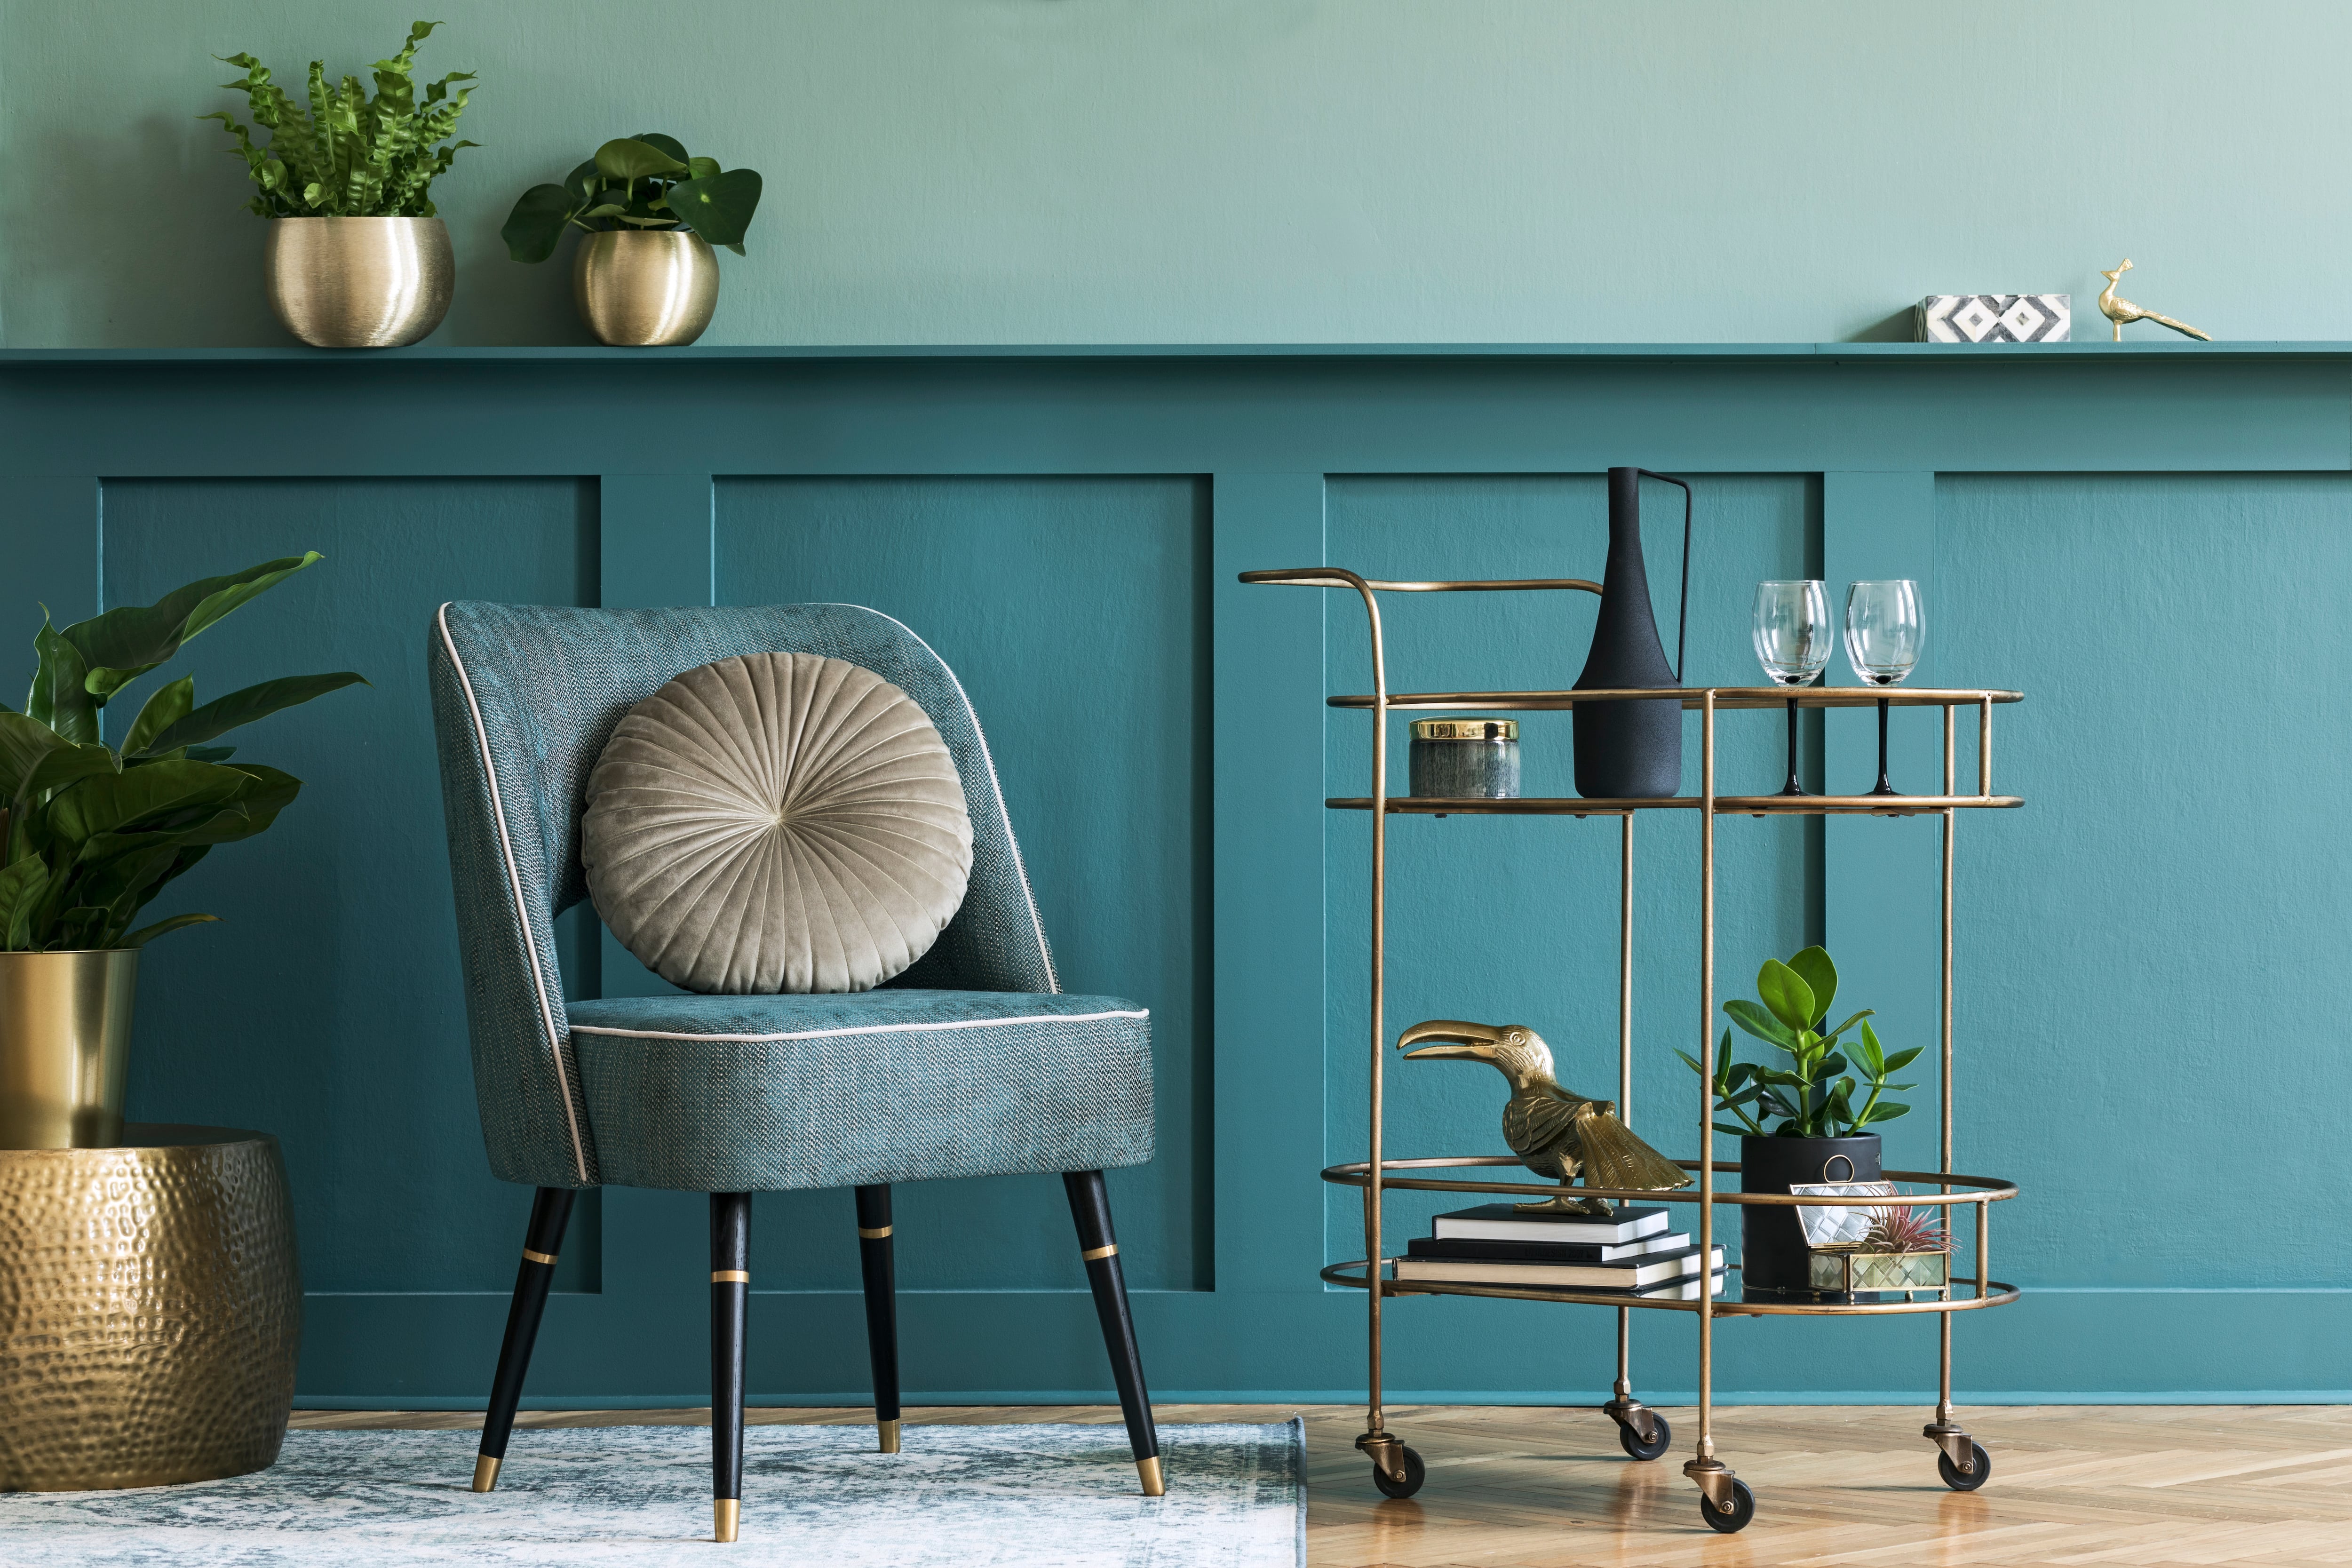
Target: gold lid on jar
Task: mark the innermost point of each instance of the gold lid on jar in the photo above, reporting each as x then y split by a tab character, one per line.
1466	729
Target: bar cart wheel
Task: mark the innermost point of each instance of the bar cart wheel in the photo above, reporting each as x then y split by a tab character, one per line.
1743	1510
1978	1472
1416	1472
1660	1440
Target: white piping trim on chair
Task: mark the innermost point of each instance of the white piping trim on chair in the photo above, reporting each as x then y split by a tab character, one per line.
862	1028
1020	868
514	884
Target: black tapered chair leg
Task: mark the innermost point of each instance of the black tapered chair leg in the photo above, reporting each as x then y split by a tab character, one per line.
551	1211
873	1258
1090	1207
730	1301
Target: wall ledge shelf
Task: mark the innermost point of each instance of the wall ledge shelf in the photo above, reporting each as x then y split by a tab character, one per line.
1952	354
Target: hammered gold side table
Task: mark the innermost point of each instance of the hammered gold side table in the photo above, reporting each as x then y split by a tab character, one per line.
151	1309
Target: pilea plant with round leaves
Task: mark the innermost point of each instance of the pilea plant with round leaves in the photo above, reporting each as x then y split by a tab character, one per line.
1815	1096
89	833
645	182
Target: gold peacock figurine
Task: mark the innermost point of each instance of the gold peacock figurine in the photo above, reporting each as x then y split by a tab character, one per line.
2122	311
1554	1131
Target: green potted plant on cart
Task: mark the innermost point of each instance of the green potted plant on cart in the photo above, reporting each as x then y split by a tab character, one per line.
356	257
1802	1115
92	832
644	275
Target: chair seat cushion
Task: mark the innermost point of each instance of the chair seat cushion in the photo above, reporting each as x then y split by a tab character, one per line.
773	1093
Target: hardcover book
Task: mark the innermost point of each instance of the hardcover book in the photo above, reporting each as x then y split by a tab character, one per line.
1502	1222
1546	1251
1627	1274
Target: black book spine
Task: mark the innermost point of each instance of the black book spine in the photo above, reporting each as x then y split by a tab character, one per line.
1458	1251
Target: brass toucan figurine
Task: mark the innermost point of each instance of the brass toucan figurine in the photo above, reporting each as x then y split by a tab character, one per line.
1554	1132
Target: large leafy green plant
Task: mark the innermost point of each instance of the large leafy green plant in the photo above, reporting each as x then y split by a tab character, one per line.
349	156
644	182
1814	1094
89	832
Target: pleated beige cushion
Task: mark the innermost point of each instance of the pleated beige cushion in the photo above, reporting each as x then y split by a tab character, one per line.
776	823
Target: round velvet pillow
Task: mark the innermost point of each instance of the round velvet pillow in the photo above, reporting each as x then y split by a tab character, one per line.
776	823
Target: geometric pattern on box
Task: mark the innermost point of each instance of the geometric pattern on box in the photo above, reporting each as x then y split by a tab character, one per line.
1994	318
1048	1496
972	1061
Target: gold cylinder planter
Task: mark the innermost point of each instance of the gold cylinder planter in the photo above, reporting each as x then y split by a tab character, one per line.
360	282
639	288
65	1047
151	1310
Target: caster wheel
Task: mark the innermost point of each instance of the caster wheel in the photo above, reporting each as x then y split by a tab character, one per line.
1631	1440
1977	1474
1743	1508
1414	1474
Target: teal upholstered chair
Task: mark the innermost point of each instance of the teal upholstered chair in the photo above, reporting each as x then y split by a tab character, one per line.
972	1063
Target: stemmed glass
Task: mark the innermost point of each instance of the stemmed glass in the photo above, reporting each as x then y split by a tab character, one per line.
1883	632
1792	644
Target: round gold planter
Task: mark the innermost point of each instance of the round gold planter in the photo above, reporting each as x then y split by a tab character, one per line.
65	1047
151	1309
646	288
360	282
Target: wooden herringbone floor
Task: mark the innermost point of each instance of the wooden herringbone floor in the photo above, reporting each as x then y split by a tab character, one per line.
1515	1487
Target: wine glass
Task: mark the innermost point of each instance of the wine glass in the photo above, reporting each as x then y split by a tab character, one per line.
1792	644
1883	632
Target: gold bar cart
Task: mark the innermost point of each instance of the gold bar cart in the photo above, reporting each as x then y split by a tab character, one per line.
1727	1505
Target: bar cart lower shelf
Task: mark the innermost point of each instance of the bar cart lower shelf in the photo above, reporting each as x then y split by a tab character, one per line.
1727	1505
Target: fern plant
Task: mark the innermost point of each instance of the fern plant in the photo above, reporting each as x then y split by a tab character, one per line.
349	155
91	833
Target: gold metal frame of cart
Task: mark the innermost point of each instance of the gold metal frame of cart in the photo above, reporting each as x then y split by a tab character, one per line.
1713	1477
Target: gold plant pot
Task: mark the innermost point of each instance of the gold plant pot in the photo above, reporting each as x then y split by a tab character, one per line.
641	288
151	1310
360	282
65	1047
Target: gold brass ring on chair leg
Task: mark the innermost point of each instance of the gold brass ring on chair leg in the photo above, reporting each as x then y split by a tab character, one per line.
486	1473
727	1516
887	1431
1154	1484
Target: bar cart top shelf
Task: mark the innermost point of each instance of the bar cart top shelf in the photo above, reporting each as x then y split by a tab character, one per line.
1726	696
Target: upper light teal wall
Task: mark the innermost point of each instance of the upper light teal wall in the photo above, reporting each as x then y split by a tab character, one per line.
1051	170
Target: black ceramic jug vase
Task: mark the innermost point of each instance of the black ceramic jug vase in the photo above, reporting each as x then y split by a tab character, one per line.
1627	749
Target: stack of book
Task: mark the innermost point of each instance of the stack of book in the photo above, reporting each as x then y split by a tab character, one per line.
1629	1253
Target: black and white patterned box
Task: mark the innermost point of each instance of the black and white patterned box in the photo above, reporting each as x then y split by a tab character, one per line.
1994	318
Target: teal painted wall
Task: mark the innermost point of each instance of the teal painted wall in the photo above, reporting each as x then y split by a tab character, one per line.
1241	170
2147	974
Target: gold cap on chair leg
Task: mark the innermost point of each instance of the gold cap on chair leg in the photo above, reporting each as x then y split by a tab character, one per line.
486	1473
888	1432
727	1512
1153	1486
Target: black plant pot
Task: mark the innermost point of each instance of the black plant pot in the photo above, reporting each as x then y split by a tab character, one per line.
1772	1252
1627	749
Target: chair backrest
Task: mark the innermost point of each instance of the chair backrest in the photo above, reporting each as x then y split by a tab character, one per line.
524	698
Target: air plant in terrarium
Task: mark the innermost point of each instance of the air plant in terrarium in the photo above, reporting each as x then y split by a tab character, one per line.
1909	1227
1905	1248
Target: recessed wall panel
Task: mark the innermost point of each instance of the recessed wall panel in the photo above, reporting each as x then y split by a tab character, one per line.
2149	1020
327	1007
1515	920
1073	612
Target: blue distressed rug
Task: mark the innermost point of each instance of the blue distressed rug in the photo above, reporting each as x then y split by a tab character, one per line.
959	1497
